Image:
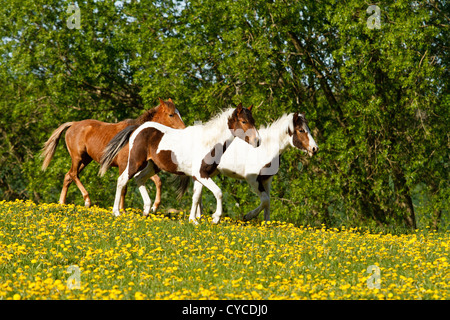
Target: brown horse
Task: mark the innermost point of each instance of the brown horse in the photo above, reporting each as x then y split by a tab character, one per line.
86	140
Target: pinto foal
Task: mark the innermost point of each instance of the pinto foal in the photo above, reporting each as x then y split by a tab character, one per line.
194	151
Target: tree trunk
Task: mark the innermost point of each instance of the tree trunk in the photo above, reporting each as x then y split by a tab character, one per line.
404	197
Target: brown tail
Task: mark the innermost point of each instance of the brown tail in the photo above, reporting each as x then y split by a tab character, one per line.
50	146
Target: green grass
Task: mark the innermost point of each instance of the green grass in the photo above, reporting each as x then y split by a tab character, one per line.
165	257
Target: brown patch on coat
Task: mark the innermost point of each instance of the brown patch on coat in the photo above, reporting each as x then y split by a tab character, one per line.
211	161
165	161
144	149
263	177
139	152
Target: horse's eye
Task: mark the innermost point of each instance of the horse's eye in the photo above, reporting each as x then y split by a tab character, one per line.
171	115
244	122
302	131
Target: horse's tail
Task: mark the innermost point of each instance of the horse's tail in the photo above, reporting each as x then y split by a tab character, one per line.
50	146
182	184
119	141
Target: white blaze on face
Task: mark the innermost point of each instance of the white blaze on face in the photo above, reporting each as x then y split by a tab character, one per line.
256	139
179	115
312	148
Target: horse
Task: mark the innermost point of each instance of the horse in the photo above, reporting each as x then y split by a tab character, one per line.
86	140
258	165
191	152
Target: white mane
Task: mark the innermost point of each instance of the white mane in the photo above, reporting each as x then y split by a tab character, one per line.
277	131
218	121
217	126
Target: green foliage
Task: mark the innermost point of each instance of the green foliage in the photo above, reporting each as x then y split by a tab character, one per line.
376	99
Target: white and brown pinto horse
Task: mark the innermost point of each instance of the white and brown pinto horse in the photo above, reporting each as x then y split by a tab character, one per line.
259	165
193	152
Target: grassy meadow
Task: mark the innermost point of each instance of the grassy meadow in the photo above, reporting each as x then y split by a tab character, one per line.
50	251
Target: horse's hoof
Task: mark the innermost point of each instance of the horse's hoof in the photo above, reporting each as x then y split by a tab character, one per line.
193	221
116	213
215	220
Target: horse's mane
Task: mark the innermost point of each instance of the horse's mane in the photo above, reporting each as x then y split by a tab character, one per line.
217	122
277	131
215	127
283	123
146	116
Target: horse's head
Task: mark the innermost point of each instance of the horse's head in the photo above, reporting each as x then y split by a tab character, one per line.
301	138
168	115
242	125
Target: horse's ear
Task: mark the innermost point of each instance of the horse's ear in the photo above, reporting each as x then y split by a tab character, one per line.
295	117
250	108
161	101
170	100
239	108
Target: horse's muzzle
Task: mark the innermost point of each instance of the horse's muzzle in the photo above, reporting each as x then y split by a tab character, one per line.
254	139
255	142
313	151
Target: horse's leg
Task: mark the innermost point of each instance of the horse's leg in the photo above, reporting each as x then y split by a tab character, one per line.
266	184
122	167
141	177
84	162
138	167
67	181
121	183
78	164
122	198
263	196
196	203
156	179
198	214
209	183
68	177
